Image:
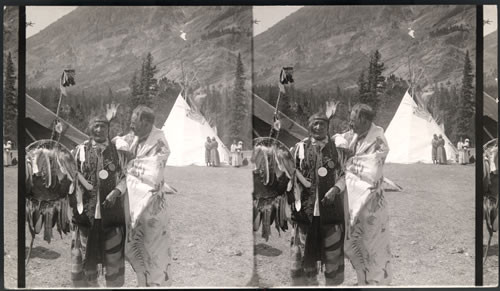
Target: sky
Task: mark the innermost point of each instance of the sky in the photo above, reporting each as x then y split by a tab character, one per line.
490	12
43	16
267	16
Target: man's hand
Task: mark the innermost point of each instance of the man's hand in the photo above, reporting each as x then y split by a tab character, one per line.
330	196
111	198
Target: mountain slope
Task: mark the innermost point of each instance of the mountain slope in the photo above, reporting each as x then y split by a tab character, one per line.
330	45
105	45
491	52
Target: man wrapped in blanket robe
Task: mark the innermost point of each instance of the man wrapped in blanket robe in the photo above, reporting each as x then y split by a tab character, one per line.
98	217
318	208
147	245
367	227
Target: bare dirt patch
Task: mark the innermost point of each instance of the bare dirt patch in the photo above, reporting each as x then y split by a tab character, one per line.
432	229
210	232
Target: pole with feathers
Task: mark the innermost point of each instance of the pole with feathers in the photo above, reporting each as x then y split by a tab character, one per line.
67	79
286	77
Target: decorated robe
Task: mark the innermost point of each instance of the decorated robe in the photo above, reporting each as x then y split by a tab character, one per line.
367	227
147	245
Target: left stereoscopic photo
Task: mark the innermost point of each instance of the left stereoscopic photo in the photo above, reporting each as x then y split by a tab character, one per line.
138	136
10	144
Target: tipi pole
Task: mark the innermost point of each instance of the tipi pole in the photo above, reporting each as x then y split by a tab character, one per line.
410	76
183	80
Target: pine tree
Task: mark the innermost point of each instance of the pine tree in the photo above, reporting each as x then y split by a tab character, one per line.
10	102
466	108
375	80
134	91
452	118
239	104
149	84
144	88
363	88
142	84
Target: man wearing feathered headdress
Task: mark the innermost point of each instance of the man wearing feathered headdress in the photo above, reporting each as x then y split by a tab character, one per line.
367	227
318	208
98	217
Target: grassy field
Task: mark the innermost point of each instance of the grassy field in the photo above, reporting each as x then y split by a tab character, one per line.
432	231
432	228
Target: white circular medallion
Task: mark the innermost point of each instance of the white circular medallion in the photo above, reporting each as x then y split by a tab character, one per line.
103	174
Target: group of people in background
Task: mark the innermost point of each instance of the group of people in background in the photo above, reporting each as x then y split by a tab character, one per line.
212	158
438	150
236	154
463	151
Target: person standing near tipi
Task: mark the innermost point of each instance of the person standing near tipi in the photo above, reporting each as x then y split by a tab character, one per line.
466	151
214	152
441	150
7	154
208	147
434	142
234	154
239	149
460	148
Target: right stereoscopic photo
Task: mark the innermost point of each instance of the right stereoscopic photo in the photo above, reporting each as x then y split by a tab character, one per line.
364	146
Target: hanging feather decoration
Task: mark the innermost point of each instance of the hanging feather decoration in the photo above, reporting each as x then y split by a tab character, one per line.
274	171
50	173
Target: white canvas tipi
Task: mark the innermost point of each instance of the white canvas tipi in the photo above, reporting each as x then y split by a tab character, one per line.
410	134
186	132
